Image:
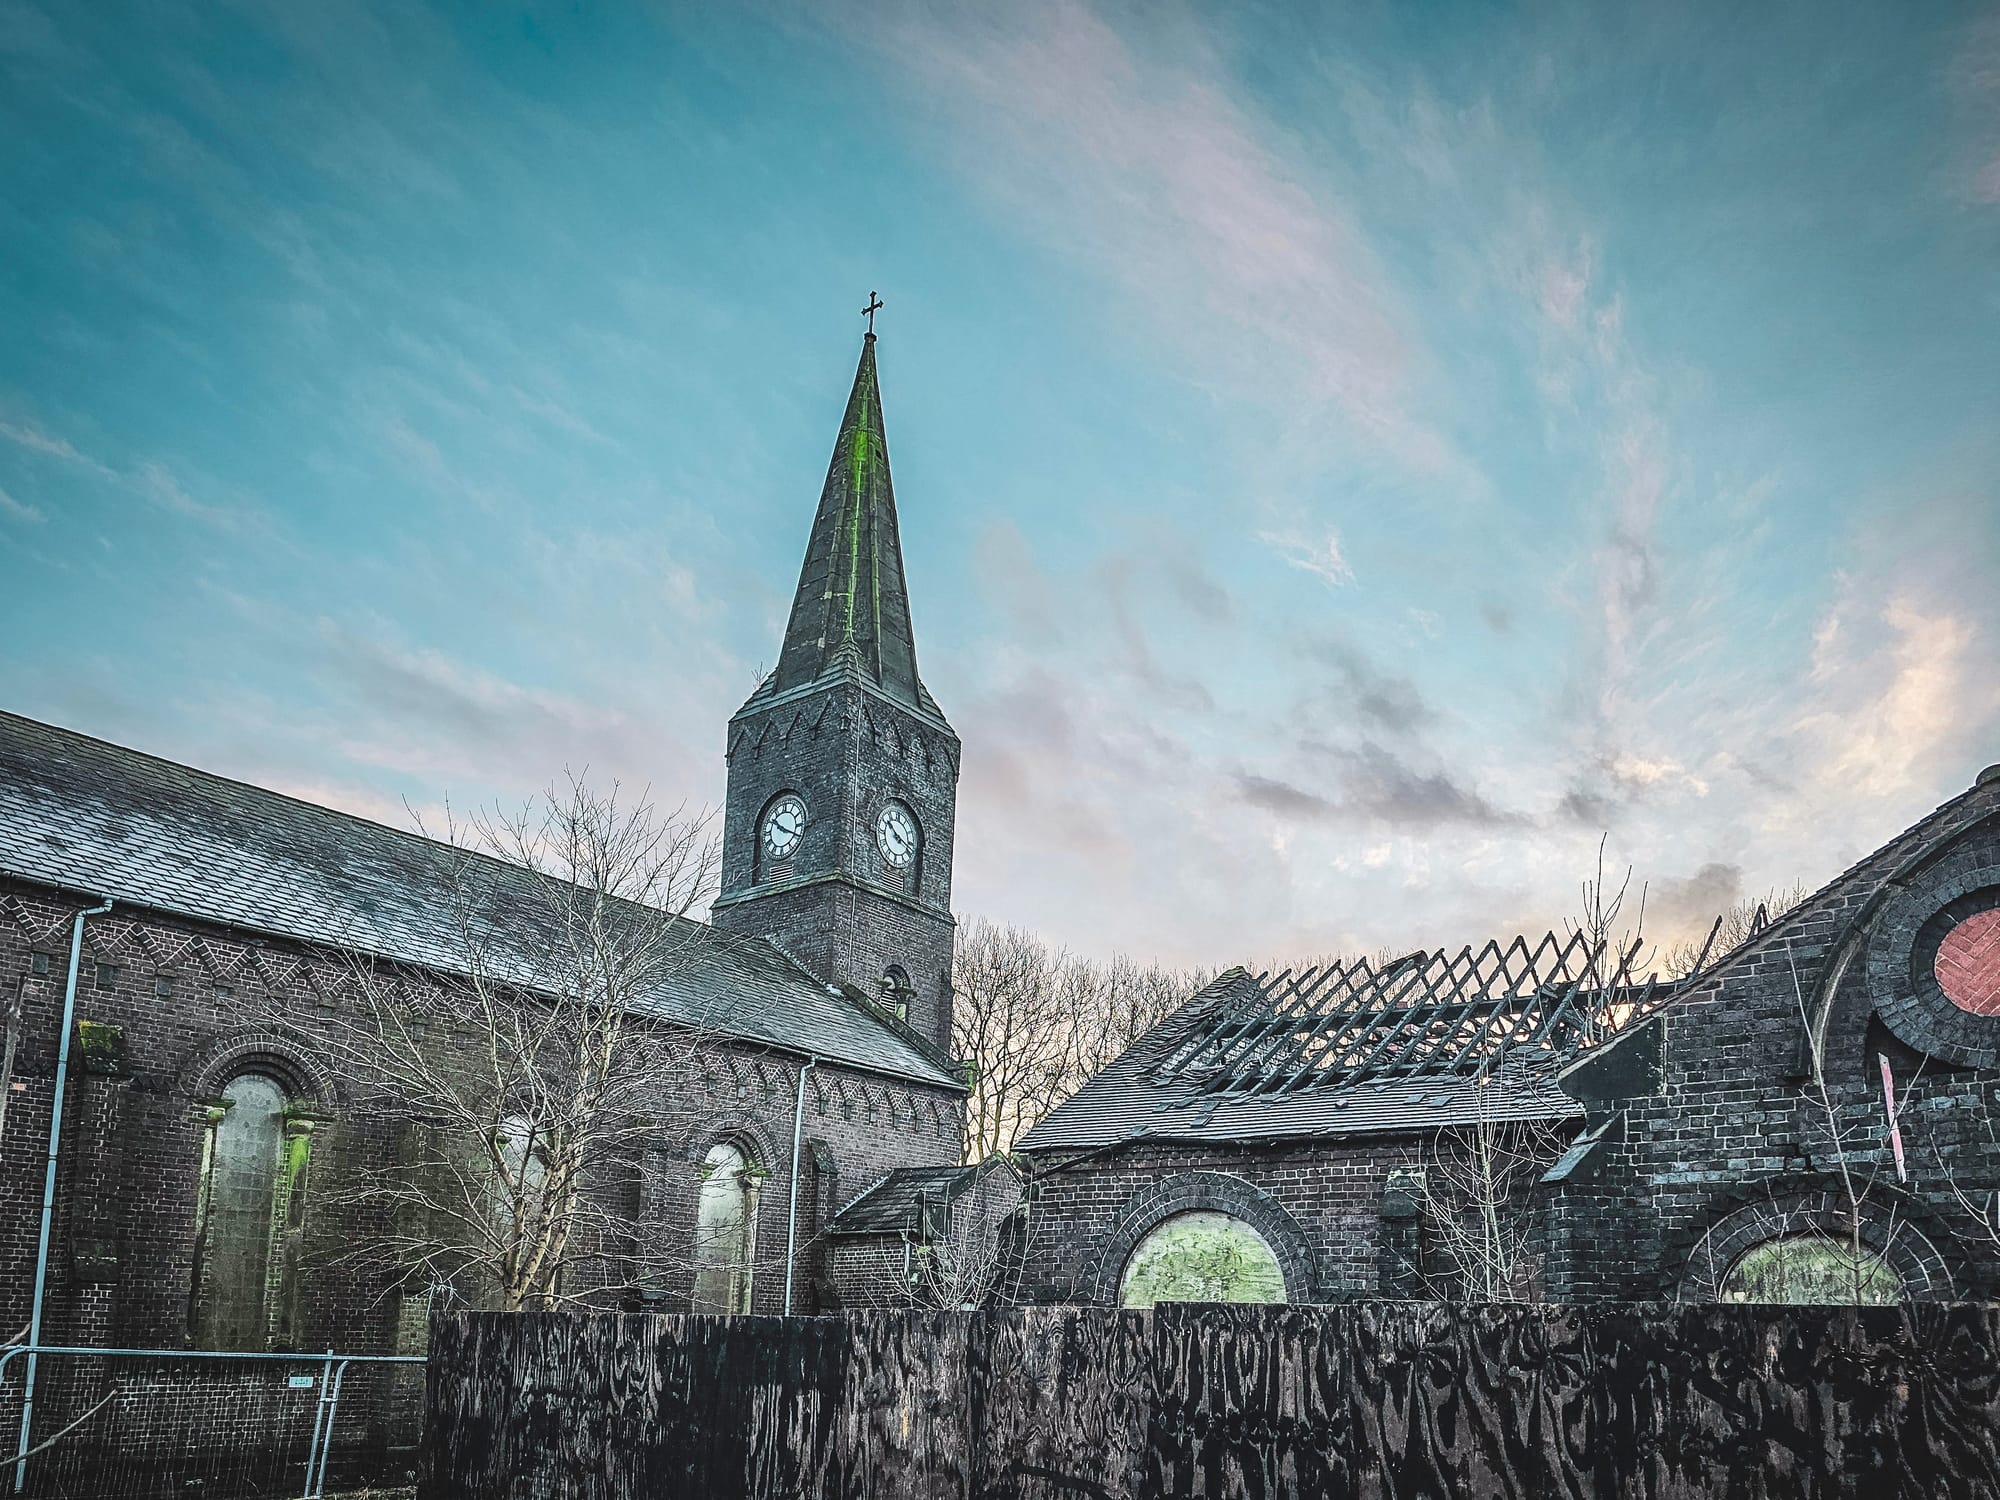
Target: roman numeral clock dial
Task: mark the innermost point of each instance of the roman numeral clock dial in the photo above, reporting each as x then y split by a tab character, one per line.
896	835
784	825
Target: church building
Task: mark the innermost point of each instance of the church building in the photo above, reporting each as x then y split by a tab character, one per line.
1811	1117
192	1147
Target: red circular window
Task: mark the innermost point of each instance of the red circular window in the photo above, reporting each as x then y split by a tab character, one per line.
1968	964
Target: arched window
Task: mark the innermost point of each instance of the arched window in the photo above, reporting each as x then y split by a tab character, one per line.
725	1236
520	1174
1201	1256
250	1211
1811	1268
896	991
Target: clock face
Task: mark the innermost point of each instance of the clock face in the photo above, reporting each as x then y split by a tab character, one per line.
784	824
896	835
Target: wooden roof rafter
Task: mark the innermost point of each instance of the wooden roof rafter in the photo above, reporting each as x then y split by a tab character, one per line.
1463	1014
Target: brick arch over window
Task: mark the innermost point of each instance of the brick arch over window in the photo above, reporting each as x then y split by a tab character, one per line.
1219	1192
1890	1229
279	1057
745	1130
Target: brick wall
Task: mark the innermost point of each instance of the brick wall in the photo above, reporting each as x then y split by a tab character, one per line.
1721	1135
1711	1132
835	904
122	1254
1319	1204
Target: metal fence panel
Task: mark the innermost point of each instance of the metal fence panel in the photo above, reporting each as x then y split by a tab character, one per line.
131	1424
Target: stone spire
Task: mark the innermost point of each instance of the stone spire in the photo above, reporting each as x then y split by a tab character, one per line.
851	616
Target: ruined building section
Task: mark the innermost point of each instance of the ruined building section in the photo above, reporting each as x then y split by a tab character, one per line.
1814	1116
935	1237
1352	1130
843	773
1819	1117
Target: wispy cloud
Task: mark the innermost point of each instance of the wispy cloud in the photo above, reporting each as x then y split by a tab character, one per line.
1374	785
152	481
1974	85
28	435
164	490
1891	703
20	510
1321	556
1151	167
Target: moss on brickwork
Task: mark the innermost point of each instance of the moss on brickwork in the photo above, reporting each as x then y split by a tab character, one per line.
101	1048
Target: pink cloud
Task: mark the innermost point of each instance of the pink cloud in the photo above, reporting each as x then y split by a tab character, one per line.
1173	191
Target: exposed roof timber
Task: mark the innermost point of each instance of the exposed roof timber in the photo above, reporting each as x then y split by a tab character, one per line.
1434	1014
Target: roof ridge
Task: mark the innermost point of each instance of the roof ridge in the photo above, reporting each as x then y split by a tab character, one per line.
345	859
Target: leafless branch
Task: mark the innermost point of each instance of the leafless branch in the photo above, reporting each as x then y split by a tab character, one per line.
526	1079
1036	1022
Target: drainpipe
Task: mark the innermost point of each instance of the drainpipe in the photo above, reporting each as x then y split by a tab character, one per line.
792	1223
49	1177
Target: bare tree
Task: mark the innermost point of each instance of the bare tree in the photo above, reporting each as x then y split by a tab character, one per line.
1824	1251
1616	948
1476	1185
1009	1019
523	1073
1980	1125
1739	923
1036	1022
969	1262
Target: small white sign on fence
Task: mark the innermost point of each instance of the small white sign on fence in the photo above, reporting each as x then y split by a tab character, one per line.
300	1382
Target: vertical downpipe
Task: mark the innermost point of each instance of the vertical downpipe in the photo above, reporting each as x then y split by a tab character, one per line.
49	1190
792	1220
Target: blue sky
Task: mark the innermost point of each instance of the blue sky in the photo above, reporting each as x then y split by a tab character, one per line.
1349	457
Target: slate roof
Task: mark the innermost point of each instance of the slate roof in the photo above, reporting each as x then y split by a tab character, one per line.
889	1205
1430	1040
83	814
851	614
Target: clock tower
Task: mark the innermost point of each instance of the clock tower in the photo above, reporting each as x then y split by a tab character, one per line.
843	774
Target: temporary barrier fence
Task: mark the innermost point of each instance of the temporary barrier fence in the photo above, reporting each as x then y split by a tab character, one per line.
133	1424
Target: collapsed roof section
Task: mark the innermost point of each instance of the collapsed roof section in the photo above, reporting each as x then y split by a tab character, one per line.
1422	1015
1428	1041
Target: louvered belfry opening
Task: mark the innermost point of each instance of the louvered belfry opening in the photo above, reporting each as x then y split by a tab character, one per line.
1426	1014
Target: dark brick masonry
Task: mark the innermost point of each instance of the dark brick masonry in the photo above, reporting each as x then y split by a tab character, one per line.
235	913
123	1250
846	733
1702	1131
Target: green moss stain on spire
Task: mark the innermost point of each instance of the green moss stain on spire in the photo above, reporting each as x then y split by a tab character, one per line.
857	493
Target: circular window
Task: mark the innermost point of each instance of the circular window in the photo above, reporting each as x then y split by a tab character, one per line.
1811	1268
1967	964
1201	1256
1934	961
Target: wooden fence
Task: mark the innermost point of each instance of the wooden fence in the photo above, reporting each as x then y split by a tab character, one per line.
1361	1399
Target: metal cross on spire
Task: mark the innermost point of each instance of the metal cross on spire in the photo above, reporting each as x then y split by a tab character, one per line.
875	303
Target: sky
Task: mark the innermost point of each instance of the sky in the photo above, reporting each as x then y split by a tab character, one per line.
1350	459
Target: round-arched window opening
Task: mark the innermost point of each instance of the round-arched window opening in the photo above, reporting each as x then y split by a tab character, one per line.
1814	1269
725	1240
1967	964
1202	1256
897	990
